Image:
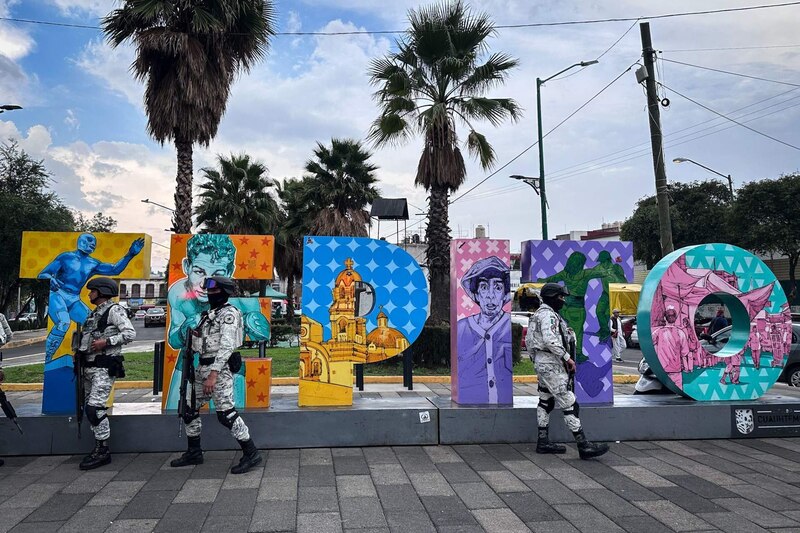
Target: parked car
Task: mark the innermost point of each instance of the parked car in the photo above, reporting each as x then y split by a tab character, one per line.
28	318
522	318
628	323
633	340
140	314
791	371
155	316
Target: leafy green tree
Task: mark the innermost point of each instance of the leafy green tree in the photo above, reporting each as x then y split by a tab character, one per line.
295	223
235	198
699	212
438	77
766	219
338	187
28	205
188	52
99	223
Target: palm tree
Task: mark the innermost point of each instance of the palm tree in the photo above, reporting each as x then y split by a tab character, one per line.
189	52
339	186
438	77
294	225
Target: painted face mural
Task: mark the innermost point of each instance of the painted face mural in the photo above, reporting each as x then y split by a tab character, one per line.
736	363
68	261
364	301
586	268
193	258
481	366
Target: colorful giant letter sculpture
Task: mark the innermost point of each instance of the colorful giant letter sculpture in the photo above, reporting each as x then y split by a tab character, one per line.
481	367
752	358
585	268
67	261
193	258
364	300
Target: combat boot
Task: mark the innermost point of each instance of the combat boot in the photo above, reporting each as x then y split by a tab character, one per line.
543	445
192	456
252	457
100	456
587	449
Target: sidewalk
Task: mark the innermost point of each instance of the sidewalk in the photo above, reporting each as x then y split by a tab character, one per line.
26	338
742	485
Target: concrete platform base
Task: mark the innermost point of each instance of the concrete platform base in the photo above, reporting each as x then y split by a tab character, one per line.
138	427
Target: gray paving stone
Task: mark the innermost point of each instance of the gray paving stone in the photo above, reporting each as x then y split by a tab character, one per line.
347	452
355	486
756	513
58	508
639	524
380	455
37	527
225	524
481	461
657	466
431	484
116	493
12	516
316	456
248	480
608	503
701	487
572	478
388	474
447	511
408	520
672	516
414	460
211	470
529	507
319	523
503	452
477	495
642	476
198	491
731	522
91	519
317	476
361	513
764	497
133	525
442	454
274	516
278	466
556	526
32	496
553	492
318	499
688	500
183	517
235	502
278	489
458	473
503	481
64	473
350	466
148	505
526	470
42	465
500	521
172	479
12	484
399	497
586	518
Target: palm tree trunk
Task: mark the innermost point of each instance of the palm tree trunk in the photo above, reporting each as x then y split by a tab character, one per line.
290	299
182	218
438	254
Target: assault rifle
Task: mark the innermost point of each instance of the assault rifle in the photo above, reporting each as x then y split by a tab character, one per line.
187	407
5	405
77	366
569	344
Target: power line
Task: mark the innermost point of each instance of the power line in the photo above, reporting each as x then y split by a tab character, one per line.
731	119
731	73
607	50
598	93
499	26
732	48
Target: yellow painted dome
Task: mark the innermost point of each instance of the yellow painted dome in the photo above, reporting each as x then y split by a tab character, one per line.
383	336
348	276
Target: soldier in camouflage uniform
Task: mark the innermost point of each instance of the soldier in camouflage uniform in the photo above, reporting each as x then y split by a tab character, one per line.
104	333
548	342
5	337
219	333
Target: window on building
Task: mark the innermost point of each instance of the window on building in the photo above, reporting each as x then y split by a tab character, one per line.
150	290
162	290
123	290
136	291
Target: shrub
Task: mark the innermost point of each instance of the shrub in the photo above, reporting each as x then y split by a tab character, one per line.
432	347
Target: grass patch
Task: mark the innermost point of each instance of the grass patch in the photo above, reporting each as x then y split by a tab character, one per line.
139	367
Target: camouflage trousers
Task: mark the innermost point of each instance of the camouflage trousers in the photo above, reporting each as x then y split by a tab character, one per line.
98	384
223	401
554	392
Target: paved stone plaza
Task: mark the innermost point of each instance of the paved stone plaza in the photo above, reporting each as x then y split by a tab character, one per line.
726	485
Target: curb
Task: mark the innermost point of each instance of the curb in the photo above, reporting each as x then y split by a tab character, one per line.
618	378
25	342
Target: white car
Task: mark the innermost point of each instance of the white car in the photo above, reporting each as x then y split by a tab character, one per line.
140	314
522	318
634	343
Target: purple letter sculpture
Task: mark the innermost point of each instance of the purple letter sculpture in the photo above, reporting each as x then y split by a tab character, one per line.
480	344
585	268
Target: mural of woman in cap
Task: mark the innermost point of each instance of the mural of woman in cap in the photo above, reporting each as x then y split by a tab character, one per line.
484	339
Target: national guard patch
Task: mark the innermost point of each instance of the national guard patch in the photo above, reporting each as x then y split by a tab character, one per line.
229	319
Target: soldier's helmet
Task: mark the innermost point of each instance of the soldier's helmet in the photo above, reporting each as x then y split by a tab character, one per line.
107	287
553	290
220	282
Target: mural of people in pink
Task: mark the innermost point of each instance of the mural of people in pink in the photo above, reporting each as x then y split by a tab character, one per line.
672	344
754	343
733	368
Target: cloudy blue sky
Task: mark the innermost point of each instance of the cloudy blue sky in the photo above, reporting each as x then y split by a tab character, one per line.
84	116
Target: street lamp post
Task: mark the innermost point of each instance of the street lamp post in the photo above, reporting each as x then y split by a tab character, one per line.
728	177
149	201
539	83
533	182
9	107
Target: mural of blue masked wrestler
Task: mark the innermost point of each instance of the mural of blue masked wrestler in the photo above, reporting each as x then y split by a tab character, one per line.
208	255
484	339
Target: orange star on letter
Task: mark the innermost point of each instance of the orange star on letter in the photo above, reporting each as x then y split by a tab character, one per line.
251	383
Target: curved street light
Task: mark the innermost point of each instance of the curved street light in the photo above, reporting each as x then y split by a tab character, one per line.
728	177
149	201
9	107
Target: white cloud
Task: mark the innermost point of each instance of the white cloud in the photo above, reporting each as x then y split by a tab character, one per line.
112	67
75	8
71	120
15	44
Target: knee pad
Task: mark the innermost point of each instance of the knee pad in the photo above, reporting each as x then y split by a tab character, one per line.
542	388
227	418
574	410
189	417
548	405
91	414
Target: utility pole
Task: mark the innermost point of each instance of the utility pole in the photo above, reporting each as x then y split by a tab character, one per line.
656	142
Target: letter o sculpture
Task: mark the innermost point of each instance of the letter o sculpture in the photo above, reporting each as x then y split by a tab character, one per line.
744	366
